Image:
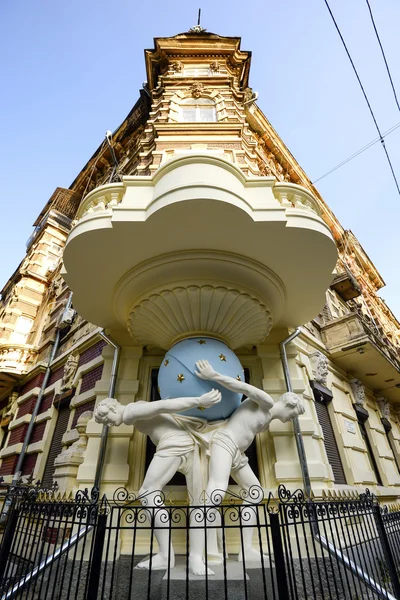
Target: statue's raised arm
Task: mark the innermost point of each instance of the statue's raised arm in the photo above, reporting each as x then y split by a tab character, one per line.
111	412
205	371
174	449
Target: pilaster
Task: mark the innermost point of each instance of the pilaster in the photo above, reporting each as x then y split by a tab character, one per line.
287	467
116	464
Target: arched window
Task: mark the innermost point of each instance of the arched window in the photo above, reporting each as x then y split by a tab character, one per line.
194	110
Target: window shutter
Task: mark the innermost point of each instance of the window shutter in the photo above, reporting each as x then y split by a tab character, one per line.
374	466
330	441
56	444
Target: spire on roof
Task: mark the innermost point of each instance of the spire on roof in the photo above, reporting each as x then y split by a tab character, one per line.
197	28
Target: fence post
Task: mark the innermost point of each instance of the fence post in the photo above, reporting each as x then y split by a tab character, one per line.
280	567
8	537
391	565
95	567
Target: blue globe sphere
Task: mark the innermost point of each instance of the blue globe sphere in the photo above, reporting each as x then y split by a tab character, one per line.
177	379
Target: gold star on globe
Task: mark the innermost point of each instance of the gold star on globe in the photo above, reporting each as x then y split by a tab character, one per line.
180	377
239	378
166	362
201	342
222	357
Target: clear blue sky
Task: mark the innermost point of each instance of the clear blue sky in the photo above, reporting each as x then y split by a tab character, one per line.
72	69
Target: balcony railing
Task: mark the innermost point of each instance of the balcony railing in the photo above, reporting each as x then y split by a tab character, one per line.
354	329
15	358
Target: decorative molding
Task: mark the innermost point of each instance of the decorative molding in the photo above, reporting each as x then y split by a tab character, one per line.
229	314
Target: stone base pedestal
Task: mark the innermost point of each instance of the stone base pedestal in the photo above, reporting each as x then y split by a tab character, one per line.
234	582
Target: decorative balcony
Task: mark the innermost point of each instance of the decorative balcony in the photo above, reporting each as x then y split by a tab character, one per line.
198	247
357	348
15	360
346	285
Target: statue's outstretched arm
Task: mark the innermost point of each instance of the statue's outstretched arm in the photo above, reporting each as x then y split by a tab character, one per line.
205	371
141	411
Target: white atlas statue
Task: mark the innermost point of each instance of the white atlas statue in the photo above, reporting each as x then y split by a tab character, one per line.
229	443
174	446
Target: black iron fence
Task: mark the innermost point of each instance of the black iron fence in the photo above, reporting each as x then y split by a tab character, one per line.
128	548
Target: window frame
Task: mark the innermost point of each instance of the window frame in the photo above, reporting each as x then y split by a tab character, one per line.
196	105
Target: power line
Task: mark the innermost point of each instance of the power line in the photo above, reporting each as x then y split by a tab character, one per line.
360	151
365	96
383	54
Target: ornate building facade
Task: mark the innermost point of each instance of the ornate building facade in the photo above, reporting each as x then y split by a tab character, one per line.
196	219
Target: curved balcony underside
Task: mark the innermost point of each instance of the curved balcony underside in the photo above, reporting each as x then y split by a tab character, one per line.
199	223
364	354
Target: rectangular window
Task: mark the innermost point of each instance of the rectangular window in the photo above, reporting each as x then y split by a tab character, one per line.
196	71
206	114
189	115
22	328
198	114
337	306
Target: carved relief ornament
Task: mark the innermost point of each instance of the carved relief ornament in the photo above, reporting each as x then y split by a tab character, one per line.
75	451
177	66
384	407
319	365
358	391
197	89
70	369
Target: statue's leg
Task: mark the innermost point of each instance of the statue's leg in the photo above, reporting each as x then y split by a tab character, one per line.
160	472
219	471
248	482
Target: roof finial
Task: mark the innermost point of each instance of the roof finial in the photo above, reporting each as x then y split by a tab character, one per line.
197	28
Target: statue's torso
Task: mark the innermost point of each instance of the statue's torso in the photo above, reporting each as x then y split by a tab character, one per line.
248	420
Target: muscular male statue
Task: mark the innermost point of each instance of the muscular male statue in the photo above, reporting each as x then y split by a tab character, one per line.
229	443
174	446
